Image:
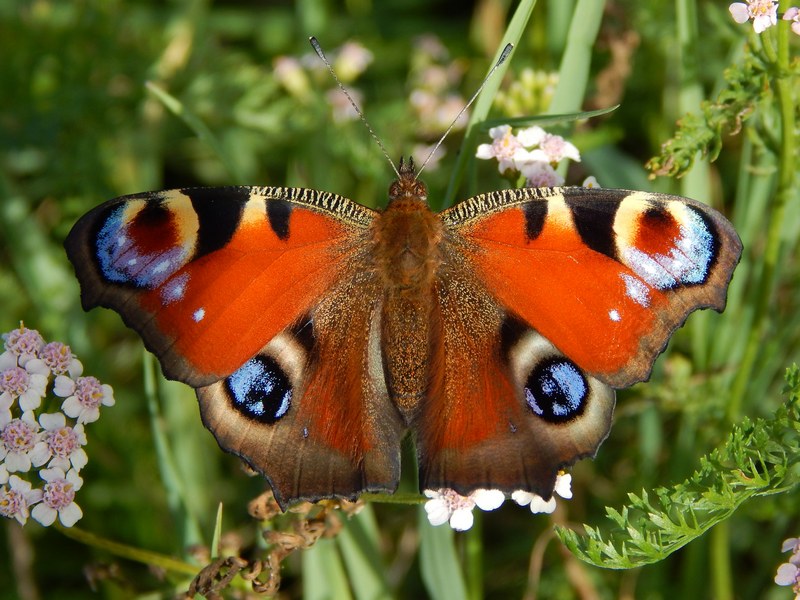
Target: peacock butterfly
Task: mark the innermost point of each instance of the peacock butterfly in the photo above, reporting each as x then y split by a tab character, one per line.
317	331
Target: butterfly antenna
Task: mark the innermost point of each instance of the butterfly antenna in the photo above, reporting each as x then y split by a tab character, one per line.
321	54
503	56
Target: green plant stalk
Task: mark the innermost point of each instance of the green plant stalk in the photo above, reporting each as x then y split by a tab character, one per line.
170	474
484	102
473	558
129	552
695	184
786	174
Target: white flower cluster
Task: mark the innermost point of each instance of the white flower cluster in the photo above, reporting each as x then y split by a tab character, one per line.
789	572
764	14
532	151
446	505
33	439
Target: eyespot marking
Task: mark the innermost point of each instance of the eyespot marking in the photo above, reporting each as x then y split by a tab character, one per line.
260	390
556	390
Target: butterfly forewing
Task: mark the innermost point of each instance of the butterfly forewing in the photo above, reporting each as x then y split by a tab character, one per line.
605	275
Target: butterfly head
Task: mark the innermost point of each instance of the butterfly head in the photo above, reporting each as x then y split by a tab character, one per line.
408	188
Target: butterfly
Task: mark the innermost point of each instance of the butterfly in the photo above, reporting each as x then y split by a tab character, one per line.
317	332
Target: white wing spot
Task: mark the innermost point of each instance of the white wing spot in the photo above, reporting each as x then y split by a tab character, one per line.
636	290
614	315
161	267
198	315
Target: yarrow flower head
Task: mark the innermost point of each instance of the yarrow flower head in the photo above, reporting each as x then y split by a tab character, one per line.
49	444
84	396
58	498
789	572
446	505
793	15
532	151
26	384
24	343
537	504
764	13
17	498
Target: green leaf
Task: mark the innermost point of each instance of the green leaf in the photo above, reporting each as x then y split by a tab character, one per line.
323	574
439	564
759	458
358	542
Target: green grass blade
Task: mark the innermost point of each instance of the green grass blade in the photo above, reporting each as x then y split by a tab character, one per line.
439	564
324	577
359	545
484	102
573	74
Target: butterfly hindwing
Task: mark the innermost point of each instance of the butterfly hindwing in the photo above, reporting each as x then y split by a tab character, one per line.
507	410
208	275
312	411
605	275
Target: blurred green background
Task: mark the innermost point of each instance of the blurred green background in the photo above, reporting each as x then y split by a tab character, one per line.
82	121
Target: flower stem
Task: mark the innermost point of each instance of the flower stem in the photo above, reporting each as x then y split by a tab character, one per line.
129	552
785	179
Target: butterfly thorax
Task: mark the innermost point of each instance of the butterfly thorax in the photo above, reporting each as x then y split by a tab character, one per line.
407	236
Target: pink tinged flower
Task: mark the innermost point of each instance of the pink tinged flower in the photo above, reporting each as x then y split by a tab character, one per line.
59	359
18	438
84	397
24	343
58	498
62	444
792	544
448	505
788	574
764	13
28	384
17	498
793	14
540	174
3	473
503	148
557	148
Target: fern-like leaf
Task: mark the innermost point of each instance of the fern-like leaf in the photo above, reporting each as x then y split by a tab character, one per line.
758	459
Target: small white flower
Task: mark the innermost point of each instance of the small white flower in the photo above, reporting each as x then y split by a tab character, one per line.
61	444
28	384
793	14
17	498
448	505
764	13
788	574
3	473
537	504
84	397
503	148
18	438
24	343
540	174
58	498
59	359
531	136
590	183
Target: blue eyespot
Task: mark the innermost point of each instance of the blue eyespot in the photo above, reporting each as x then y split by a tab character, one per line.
556	390
261	389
